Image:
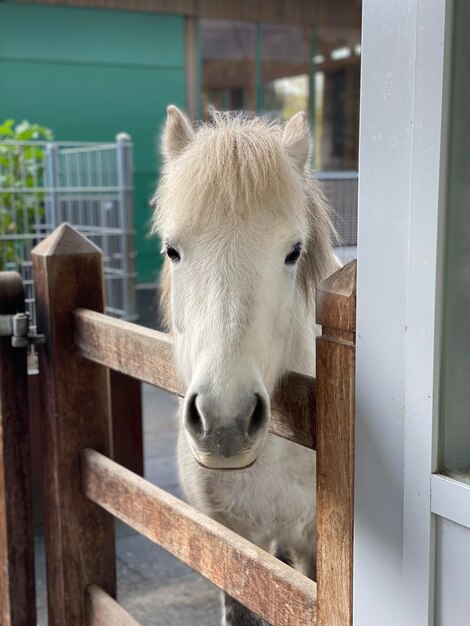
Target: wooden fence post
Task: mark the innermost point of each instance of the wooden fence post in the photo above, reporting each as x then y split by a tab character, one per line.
336	312
80	545
17	597
126	411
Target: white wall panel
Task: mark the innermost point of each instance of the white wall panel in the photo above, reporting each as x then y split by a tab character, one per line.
452	574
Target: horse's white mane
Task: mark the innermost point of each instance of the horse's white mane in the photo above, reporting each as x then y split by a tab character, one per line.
233	165
236	165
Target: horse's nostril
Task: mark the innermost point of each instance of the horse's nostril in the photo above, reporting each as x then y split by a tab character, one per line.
193	417
223	434
258	417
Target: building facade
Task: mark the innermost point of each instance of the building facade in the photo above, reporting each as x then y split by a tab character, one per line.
89	69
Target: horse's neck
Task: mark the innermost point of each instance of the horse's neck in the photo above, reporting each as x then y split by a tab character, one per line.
301	353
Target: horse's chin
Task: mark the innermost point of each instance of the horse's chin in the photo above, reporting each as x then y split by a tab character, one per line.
226	464
218	462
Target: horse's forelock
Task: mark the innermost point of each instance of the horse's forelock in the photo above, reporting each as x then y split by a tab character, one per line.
232	166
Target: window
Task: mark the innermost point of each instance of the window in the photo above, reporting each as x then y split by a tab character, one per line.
455	391
228	53
285	70
278	70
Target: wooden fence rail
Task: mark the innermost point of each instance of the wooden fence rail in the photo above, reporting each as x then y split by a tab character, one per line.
83	486
103	610
243	570
148	355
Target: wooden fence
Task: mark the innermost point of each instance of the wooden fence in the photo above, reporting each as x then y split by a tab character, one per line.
83	486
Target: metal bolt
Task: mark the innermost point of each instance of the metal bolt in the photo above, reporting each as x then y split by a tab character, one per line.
19	342
21	325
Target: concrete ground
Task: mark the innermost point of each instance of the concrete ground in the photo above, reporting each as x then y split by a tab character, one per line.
154	587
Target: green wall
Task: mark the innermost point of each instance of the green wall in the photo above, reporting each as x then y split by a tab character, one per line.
89	74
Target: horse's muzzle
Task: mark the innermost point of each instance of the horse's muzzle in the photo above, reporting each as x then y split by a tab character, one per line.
228	443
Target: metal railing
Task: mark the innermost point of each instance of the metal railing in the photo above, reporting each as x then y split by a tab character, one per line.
341	190
88	185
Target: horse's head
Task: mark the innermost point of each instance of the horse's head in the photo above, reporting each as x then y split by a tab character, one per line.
246	234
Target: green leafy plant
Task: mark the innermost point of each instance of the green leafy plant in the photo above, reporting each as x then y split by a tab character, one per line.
21	183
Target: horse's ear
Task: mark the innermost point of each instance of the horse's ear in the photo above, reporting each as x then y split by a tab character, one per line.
296	139
177	133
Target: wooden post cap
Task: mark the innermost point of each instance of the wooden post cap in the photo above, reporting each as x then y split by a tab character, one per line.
336	299
64	241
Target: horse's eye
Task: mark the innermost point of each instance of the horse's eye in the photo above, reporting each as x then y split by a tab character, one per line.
173	253
294	254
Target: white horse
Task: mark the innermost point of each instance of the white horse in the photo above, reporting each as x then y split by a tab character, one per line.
247	238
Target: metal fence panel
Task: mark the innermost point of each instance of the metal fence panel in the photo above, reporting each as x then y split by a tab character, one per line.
88	185
341	189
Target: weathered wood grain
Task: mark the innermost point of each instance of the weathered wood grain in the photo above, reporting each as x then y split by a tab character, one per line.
103	610
336	300
17	596
148	355
126	412
336	307
277	592
128	348
75	395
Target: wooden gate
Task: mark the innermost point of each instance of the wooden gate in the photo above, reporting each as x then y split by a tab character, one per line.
83	486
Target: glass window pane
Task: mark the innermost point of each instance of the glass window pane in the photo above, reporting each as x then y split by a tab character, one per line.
455	390
228	65
336	66
285	70
281	69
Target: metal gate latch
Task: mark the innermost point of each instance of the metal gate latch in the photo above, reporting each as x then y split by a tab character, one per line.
17	327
